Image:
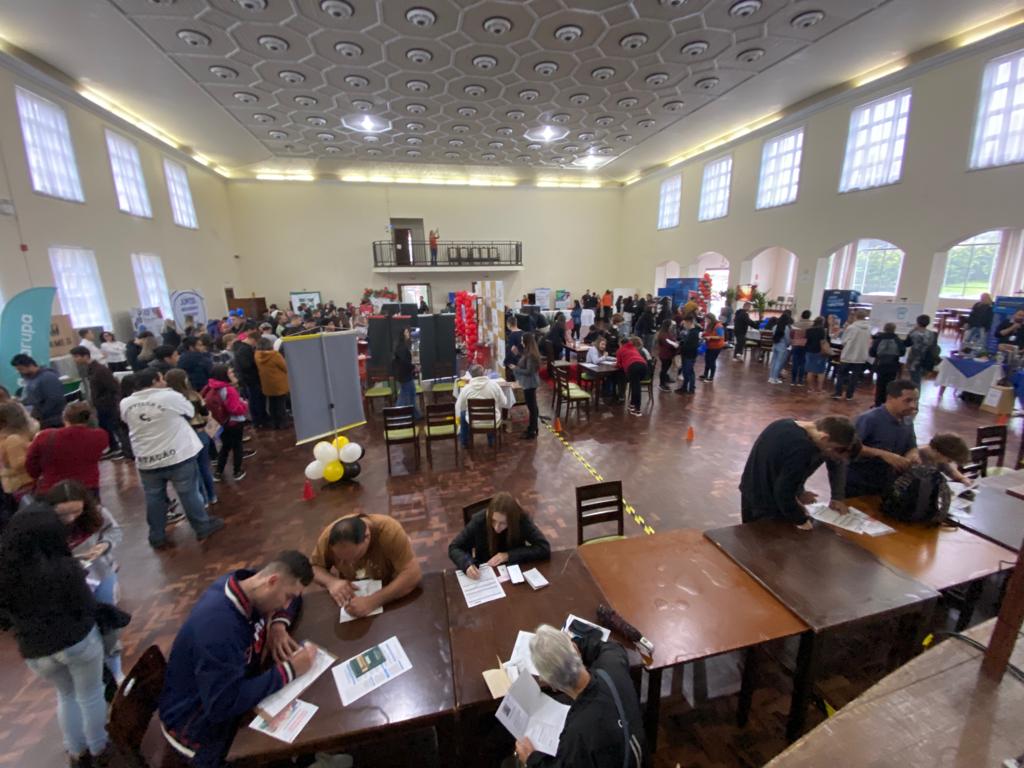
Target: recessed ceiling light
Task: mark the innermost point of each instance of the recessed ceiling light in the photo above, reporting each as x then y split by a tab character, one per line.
357	81
421	17
750	55
504	131
325	136
485	62
628	103
529	95
419	55
561	118
413	126
339	9
245	97
362	105
253	5
707	83
452	155
193	38
455	142
273	43
277	135
224	73
413	153
474	90
568	33
673	3
417	86
634	41
571	148
745	8
546	133
534	147
349	50
603	73
497	25
332	150
515	114
579	99
305	101
372	152
623	138
694	48
291	76
489	156
414	140
523	158
262	117
673	106
591	161
415	109
467	111
604	120
586	136
371	138
806	20
460	128
648	123
545	68
495	144
558	159
319	122
365	123
656	78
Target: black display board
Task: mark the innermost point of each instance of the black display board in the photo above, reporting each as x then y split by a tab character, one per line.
437	346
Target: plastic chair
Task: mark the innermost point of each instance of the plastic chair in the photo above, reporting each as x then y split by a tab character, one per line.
599	503
400	429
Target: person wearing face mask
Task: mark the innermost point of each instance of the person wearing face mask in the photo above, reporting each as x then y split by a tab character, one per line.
502	534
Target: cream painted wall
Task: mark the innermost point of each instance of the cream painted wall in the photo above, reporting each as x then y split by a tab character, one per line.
201	259
318	235
937	203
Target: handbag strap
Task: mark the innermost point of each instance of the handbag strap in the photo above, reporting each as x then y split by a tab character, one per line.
606	678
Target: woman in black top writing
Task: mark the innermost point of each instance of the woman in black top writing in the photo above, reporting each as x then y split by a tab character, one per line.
500	534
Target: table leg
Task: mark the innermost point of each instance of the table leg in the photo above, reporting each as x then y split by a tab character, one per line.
971	595
747	686
807	659
448	747
652	709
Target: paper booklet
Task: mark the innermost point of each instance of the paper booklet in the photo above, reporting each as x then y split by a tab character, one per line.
520	662
854	521
482	589
289	723
363	588
526	712
273	704
370	669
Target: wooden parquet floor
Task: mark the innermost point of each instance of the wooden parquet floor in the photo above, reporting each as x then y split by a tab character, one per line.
671	482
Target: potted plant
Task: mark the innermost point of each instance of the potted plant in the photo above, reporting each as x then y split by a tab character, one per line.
729	294
760	301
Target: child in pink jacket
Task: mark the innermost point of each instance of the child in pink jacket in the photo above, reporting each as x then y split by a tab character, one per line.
230	411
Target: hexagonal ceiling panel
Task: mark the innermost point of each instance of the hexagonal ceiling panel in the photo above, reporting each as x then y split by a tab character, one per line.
458	82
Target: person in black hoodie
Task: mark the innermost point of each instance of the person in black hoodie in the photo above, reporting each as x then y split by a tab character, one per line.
196	361
405	372
886	349
501	534
689	343
170	334
44	598
644	327
244	363
741	322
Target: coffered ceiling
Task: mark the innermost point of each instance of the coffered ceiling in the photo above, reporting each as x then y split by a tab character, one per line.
294	83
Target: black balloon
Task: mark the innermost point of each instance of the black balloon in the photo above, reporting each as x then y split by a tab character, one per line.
352	470
362	452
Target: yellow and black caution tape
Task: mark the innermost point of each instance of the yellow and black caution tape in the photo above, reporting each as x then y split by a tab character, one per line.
637	518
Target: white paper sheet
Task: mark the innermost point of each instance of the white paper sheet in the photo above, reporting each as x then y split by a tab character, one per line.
364	588
289	722
521	657
273	704
480	590
526	712
854	521
503	574
605	632
516	574
535	578
370	669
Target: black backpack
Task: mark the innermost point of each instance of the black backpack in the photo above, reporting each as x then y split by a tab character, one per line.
919	495
932	353
888	352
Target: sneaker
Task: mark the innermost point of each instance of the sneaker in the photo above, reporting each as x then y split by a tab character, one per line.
664	388
174	517
212	501
240	475
246	438
849	397
214	525
248	453
111	455
218	477
102	760
837	397
160	545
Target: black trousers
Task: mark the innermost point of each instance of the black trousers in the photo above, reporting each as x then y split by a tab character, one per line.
230	442
663	378
530	396
636	374
710	363
884	374
278	412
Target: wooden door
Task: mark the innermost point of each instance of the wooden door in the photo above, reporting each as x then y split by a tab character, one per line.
403	247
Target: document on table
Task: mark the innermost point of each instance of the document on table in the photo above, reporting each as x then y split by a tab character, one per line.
289	723
363	588
854	521
526	712
535	578
482	589
521	658
273	704
370	669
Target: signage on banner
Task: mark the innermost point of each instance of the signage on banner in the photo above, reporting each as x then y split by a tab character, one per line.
309	298
563	299
148	319
903	315
186	304
24	325
543	297
62	336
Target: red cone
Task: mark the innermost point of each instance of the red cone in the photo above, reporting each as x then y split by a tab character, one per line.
307	492
690	435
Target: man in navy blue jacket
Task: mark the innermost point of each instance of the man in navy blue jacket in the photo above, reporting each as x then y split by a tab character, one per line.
215	673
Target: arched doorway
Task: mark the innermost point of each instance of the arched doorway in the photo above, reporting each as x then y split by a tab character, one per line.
773	270
716	266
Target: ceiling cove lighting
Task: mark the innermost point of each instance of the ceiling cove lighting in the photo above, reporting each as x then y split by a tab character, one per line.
546	133
986	30
725	138
878	72
359	178
591	161
273	176
364	123
560	184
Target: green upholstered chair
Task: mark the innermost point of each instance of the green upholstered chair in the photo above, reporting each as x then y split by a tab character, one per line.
382	390
569	394
599	503
400	429
440	425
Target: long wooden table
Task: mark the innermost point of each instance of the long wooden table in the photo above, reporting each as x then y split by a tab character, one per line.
599	372
422	697
690	600
827	581
995	514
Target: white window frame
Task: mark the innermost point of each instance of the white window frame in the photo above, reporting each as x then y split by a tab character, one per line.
49	150
780	169
151	282
992	237
714	189
876	142
999	124
79	286
668	202
182	208
879	245
129	180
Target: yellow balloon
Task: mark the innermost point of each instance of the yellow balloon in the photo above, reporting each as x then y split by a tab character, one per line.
340	442
333	472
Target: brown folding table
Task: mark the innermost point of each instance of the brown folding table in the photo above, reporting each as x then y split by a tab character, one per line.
690	600
600	371
827	581
995	514
421	697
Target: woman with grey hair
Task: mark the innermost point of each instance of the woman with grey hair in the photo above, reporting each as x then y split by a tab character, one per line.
603	728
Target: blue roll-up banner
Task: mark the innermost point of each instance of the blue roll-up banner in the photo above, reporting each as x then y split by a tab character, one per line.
25	328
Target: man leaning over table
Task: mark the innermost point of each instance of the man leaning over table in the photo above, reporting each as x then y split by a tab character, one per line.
365	547
216	671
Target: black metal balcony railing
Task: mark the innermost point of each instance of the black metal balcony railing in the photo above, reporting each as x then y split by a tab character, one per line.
449	253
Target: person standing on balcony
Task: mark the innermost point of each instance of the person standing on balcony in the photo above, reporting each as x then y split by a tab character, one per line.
434	234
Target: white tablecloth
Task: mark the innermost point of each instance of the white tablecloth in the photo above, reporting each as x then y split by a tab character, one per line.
949	376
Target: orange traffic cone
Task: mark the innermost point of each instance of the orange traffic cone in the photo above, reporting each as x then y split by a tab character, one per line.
558	424
1003	419
307	492
690	434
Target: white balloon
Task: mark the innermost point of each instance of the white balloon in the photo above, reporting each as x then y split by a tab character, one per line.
315	470
351	452
325	452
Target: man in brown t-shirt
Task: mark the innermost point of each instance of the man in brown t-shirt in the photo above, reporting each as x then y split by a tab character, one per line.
365	547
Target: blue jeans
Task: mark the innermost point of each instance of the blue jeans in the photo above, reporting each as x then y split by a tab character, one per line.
206	486
779	356
407	396
77	674
106	592
464	432
688	376
975	336
185	477
799	369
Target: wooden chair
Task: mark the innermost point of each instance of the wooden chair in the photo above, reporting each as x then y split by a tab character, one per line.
471	509
599	503
570	394
993	439
978	465
764	346
480	413
648	383
382	390
439	426
400	429
443	387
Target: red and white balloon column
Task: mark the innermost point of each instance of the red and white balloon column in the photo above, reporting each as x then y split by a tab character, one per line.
704	293
465	323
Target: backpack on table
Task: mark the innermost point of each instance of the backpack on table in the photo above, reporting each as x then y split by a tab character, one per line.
919	495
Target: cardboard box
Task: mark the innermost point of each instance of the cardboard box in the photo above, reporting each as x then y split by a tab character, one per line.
998	400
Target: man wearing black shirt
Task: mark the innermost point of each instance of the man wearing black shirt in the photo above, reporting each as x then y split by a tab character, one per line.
741	321
1012	331
784	455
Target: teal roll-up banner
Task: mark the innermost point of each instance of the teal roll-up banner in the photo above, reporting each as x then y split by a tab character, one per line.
25	327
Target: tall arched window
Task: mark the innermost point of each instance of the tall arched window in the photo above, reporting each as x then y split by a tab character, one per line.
971	265
877	268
